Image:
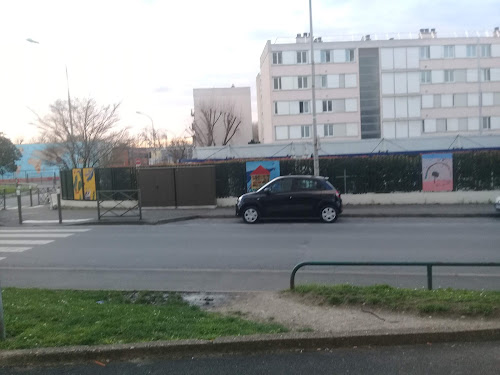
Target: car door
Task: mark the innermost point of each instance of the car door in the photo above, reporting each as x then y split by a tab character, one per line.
305	197
277	201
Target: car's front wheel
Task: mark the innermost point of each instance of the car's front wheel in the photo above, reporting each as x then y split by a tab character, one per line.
329	214
251	215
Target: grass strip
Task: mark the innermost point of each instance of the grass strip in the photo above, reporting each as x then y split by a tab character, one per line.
47	318
444	302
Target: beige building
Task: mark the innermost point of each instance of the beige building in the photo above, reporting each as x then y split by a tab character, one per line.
423	86
222	116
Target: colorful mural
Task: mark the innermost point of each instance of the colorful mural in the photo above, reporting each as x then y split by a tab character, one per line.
77	185
261	172
89	189
437	172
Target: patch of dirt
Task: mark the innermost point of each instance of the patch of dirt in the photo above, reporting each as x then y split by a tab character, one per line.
301	315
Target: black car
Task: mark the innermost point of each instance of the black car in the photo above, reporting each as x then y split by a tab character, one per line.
292	196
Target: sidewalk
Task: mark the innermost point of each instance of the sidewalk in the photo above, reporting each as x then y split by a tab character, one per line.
42	215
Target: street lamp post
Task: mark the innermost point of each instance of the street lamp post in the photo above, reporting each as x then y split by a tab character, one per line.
152	126
69	96
313	88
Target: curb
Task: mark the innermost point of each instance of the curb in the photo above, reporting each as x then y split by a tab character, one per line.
236	344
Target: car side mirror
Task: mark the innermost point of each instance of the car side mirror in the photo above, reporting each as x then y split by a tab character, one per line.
267	191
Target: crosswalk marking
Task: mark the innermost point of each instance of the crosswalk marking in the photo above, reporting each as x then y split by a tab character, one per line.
12	249
56	221
29	230
36	235
25	242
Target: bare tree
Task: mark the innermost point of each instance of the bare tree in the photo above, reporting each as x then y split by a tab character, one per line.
152	138
19	140
179	149
94	137
215	124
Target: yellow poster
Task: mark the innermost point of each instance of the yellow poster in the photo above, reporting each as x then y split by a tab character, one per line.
77	185
89	191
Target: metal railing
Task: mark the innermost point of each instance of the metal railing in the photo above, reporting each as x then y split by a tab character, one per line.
119	197
44	194
3	200
428	265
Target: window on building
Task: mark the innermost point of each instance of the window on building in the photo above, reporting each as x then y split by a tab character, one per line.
301	57
304	107
342	81
327	106
460	100
328	130
302	84
463	124
449	51
277	58
437	100
324	81
471	50
425	76
277	83
275	108
486	122
305	131
325	56
425	53
349	55
441	125
485	50
485	75
449	76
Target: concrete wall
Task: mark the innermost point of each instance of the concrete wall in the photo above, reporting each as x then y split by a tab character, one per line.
454	197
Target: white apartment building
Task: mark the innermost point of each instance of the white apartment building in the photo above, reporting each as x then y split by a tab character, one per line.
393	88
216	103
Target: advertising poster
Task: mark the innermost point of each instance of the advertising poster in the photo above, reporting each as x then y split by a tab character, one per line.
437	172
260	173
77	185
89	189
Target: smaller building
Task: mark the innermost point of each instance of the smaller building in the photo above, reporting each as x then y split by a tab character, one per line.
222	116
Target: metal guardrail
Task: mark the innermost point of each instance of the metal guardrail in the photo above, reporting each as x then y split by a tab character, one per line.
119	196
428	265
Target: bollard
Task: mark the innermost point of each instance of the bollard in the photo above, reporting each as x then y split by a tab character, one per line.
31	197
38	192
59	204
18	193
2	323
4	202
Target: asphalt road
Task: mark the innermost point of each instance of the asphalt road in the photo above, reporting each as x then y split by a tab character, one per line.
227	255
453	358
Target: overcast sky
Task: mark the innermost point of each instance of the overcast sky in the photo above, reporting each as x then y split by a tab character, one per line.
149	55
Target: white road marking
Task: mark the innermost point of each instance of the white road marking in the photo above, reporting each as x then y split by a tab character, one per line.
25	242
35	235
2	258
13	249
55	221
29	230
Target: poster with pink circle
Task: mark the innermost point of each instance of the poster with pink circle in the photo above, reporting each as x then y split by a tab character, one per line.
437	172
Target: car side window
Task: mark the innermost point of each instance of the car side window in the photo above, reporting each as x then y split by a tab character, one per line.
282	186
306	184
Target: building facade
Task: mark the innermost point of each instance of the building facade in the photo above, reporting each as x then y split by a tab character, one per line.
222	116
393	88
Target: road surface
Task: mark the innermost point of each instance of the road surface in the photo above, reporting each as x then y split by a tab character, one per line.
227	255
452	358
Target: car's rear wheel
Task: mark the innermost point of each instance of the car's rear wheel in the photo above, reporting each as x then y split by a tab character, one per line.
251	215
329	214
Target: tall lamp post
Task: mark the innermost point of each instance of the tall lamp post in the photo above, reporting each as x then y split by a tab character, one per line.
313	88
152	126
69	96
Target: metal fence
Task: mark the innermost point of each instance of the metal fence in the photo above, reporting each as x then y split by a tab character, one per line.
428	265
118	207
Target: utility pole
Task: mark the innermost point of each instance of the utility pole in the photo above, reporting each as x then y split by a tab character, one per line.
313	88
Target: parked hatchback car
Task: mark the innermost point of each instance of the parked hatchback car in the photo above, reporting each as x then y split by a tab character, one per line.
292	196
497	204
